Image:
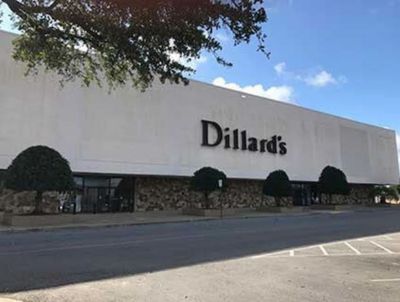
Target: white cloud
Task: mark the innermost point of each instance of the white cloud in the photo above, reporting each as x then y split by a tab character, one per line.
279	93
320	79
189	62
192	63
222	37
280	68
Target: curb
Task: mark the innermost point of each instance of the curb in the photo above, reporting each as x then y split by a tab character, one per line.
9	230
98	226
189	220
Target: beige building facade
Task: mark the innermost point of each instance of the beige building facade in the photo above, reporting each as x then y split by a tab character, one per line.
158	138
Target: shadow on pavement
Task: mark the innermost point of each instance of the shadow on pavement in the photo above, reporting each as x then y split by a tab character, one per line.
42	260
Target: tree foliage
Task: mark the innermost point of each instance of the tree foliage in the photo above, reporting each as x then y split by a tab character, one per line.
39	169
385	193
277	185
333	181
133	40
206	180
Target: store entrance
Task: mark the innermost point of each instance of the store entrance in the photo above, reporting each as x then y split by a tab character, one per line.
97	200
105	194
304	194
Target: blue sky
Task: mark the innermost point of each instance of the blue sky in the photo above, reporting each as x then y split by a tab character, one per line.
339	57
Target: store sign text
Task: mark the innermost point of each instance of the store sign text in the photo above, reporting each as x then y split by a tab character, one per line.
240	140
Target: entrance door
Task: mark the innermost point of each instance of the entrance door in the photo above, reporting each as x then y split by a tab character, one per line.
301	195
297	197
97	199
107	194
90	200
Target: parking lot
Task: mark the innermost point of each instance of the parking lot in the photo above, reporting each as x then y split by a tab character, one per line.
352	256
366	246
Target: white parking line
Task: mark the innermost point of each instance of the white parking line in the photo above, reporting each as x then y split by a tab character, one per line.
322	247
386	280
382	247
270	255
352	248
323	250
267	256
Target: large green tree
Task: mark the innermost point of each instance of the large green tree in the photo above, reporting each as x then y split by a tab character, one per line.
40	169
333	181
206	180
129	40
277	185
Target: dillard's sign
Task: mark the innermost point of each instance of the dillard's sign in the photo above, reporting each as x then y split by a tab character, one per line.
236	139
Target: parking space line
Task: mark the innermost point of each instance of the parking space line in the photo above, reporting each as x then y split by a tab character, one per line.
288	255
382	247
270	255
260	256
323	250
386	280
291	253
352	248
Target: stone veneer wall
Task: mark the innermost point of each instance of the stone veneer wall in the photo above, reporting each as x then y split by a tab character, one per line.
167	193
170	193
21	203
359	195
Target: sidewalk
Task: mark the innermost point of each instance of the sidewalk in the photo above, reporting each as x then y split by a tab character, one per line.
62	221
69	221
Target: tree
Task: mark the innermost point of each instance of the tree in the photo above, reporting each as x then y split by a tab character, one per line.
333	181
134	40
385	192
39	169
2	173
206	180
277	185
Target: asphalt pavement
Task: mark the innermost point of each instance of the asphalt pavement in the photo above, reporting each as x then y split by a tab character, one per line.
316	257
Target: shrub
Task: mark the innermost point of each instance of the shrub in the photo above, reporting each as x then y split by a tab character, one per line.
2	176
277	185
39	169
333	181
385	192
205	180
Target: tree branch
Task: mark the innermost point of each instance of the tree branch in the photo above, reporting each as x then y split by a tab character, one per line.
15	7
22	10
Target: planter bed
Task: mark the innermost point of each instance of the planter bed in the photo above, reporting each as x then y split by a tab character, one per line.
52	219
380	205
282	209
208	212
333	207
39	220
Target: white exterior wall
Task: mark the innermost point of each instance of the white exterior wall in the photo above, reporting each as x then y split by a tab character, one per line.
159	132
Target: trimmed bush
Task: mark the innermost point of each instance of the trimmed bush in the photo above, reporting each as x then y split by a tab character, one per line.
2	177
277	185
385	192
39	169
333	181
205	180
